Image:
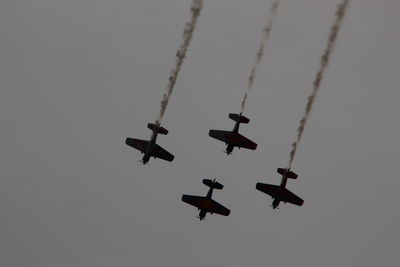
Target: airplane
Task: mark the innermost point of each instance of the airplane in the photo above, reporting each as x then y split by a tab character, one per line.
279	192
206	204
233	138
150	148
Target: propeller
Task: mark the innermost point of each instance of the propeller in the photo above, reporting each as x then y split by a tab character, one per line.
201	219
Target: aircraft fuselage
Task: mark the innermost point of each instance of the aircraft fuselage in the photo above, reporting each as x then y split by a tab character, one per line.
231	146
282	188
207	203
150	146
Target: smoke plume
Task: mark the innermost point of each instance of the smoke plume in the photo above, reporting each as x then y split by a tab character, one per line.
324	62
260	53
180	56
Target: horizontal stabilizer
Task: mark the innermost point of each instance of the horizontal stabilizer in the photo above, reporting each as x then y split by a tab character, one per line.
212	184
290	175
161	130
240	117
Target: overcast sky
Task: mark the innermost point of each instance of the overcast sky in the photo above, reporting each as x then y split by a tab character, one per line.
77	77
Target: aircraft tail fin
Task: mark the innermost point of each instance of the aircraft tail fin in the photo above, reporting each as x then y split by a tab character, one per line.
161	130
212	184
290	175
240	117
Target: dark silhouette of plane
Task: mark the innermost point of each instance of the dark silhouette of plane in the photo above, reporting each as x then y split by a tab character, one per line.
150	148
279	192
233	138
206	204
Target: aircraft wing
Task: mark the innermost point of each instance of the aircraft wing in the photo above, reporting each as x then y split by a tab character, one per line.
219	135
206	204
196	201
219	209
288	196
140	145
269	189
244	142
285	196
233	138
161	153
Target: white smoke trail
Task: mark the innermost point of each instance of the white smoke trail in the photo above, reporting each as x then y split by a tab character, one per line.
196	7
324	62
266	33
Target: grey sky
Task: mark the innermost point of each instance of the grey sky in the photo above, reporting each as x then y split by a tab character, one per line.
78	77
